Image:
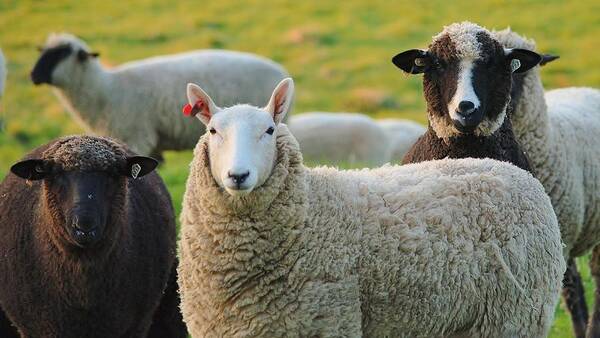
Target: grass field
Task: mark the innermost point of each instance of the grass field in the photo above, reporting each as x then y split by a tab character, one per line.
338	53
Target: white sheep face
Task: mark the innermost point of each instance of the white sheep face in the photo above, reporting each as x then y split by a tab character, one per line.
242	141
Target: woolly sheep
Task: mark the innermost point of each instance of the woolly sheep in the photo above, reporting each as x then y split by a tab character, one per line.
560	131
466	83
270	248
140	102
402	134
88	246
340	137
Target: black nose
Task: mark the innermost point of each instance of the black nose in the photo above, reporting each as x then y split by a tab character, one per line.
239	178
465	108
84	223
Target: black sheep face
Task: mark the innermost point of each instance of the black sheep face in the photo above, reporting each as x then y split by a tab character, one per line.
467	79
83	203
62	56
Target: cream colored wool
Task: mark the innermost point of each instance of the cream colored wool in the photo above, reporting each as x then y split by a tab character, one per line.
467	247
340	137
140	102
560	132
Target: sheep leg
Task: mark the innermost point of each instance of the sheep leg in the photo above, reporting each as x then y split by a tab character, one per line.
573	294
594	325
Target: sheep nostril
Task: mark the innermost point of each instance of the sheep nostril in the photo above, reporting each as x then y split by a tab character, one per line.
239	178
465	108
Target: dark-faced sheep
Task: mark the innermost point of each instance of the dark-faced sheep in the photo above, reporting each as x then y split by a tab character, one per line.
87	240
467	84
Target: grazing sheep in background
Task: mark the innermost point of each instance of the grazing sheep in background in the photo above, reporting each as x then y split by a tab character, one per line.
88	246
560	131
340	137
270	248
402	134
466	83
140	102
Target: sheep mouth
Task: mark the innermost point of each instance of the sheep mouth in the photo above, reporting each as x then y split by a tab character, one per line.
85	238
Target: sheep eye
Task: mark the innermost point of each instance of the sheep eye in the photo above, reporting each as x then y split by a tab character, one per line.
270	130
212	131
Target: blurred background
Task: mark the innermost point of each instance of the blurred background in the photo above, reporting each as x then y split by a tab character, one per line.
338	53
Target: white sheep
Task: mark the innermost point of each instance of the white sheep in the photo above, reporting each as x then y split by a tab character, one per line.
402	134
270	248
350	138
140	102
560	132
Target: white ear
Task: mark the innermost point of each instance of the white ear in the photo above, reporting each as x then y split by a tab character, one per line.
205	107
281	100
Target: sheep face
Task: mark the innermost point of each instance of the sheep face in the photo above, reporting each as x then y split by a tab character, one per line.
61	58
81	203
467	79
242	141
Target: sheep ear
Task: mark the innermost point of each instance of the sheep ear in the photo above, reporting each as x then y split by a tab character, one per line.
522	60
138	166
82	55
30	169
281	100
547	58
412	61
204	107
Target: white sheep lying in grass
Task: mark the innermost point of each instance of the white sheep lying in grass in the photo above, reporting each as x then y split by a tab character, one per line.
140	102
560	132
402	134
270	248
340	137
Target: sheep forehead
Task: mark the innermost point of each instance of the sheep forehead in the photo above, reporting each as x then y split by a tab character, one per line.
61	39
464	37
242	116
86	153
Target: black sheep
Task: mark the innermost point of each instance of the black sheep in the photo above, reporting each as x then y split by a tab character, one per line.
87	237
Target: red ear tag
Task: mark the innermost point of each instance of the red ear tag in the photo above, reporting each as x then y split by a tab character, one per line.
187	109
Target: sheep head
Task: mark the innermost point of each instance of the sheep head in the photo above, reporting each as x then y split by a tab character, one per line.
84	186
467	79
242	141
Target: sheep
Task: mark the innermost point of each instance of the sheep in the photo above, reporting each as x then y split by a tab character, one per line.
351	138
402	134
88	236
271	248
560	131
467	82
138	102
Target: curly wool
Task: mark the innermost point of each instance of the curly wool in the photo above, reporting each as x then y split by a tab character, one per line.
560	132
86	153
415	251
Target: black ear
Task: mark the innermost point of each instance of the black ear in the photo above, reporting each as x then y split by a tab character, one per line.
526	59
547	58
138	166
30	169
413	61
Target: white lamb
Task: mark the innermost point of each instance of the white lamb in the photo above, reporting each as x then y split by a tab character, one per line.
402	134
140	102
560	132
270	248
350	138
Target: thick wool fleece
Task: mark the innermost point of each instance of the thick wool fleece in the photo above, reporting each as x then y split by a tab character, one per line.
466	247
560	132
111	290
140	102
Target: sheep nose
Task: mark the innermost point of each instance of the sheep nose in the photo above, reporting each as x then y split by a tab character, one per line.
465	108
238	178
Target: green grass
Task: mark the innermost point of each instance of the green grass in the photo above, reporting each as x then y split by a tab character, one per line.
338	53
